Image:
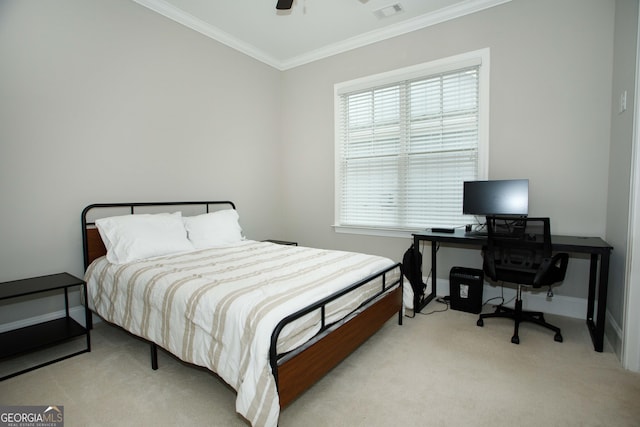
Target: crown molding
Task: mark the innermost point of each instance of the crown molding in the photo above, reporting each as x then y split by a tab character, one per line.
442	15
417	23
196	24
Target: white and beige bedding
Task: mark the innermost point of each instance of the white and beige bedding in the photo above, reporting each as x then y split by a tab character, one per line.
217	307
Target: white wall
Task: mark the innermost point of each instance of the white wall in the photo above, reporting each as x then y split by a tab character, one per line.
551	68
107	101
620	171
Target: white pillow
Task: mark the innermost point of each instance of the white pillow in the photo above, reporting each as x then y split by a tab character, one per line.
213	229
134	237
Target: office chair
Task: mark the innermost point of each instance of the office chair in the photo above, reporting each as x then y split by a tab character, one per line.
519	251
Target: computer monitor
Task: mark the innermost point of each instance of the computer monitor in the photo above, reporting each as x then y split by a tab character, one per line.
497	197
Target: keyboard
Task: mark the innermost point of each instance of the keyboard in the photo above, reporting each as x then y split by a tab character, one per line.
442	230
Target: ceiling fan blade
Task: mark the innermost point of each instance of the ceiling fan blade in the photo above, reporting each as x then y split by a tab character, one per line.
284	4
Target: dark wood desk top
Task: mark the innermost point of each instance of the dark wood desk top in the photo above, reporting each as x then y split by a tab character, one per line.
576	244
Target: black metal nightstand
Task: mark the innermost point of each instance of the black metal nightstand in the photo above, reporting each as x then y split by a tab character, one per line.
281	242
34	337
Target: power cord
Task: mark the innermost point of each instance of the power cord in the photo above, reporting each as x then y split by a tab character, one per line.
441	300
501	297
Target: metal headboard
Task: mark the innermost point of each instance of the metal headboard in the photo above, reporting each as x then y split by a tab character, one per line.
90	225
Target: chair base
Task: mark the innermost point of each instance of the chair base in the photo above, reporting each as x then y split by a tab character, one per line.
519	316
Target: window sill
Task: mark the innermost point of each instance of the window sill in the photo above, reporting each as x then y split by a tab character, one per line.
381	232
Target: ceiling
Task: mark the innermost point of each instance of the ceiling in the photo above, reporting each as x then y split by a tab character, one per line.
312	29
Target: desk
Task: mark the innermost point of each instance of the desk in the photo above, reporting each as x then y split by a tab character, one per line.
598	249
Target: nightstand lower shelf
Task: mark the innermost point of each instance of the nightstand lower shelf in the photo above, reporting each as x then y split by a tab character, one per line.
23	340
36	337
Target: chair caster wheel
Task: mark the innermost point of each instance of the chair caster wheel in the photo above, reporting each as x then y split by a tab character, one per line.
557	337
480	322
515	340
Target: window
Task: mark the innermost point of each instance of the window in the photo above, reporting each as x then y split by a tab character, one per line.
406	141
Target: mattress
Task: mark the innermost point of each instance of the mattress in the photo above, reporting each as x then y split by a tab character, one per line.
218	307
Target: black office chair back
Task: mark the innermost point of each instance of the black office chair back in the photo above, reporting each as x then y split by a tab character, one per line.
519	251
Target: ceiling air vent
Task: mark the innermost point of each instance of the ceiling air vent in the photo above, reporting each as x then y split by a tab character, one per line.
388	11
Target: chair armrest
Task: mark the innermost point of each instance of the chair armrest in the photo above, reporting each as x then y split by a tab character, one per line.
552	270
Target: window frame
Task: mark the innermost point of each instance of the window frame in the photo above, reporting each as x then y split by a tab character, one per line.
480	57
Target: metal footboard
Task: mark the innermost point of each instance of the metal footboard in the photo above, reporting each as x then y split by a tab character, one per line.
386	287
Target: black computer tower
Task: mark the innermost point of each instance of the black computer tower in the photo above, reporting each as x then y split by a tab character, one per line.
465	289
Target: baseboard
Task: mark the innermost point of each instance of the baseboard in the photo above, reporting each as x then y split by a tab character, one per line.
535	300
613	334
76	313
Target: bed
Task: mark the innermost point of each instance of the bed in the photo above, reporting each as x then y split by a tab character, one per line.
269	319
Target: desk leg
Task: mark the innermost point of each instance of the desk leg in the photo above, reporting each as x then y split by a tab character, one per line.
593	276
596	329
420	301
434	265
602	301
417	299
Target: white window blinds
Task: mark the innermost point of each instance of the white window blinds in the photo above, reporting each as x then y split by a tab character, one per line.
405	148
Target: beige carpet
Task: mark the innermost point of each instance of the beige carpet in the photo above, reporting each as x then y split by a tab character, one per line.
435	370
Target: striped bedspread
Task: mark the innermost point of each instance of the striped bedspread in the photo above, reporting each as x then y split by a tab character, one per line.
218	307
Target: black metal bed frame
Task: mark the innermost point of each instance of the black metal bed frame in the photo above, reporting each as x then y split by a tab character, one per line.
132	207
132	210
274	357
